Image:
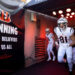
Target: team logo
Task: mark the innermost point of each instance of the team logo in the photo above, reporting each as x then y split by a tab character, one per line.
4	16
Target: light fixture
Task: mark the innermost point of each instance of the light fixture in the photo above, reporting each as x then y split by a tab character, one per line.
72	13
54	13
71	16
26	1
68	14
62	15
60	11
68	10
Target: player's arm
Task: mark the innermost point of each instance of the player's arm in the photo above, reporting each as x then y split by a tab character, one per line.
55	37
56	40
72	37
52	36
47	37
73	40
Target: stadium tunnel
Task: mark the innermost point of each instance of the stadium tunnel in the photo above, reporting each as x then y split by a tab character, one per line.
30	18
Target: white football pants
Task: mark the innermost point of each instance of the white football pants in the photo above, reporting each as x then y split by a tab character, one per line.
61	52
50	49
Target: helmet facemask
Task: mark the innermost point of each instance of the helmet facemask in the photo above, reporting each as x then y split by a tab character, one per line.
62	23
64	26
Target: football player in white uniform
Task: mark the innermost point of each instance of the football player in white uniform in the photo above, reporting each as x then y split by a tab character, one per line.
64	35
50	44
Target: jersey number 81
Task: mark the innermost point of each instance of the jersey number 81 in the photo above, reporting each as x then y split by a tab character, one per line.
63	39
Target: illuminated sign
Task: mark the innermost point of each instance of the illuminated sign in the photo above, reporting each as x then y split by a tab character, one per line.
8	35
4	16
11	41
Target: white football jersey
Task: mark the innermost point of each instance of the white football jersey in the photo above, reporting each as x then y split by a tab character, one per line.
50	37
64	35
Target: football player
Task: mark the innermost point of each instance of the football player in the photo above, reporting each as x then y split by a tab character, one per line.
49	35
64	35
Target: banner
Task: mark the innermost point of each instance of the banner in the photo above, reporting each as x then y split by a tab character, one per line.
11	42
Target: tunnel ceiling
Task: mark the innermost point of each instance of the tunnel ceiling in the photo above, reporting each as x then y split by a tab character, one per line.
12	6
44	7
50	5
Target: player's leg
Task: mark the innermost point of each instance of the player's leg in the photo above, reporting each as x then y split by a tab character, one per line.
69	58
73	51
51	50
61	53
48	51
